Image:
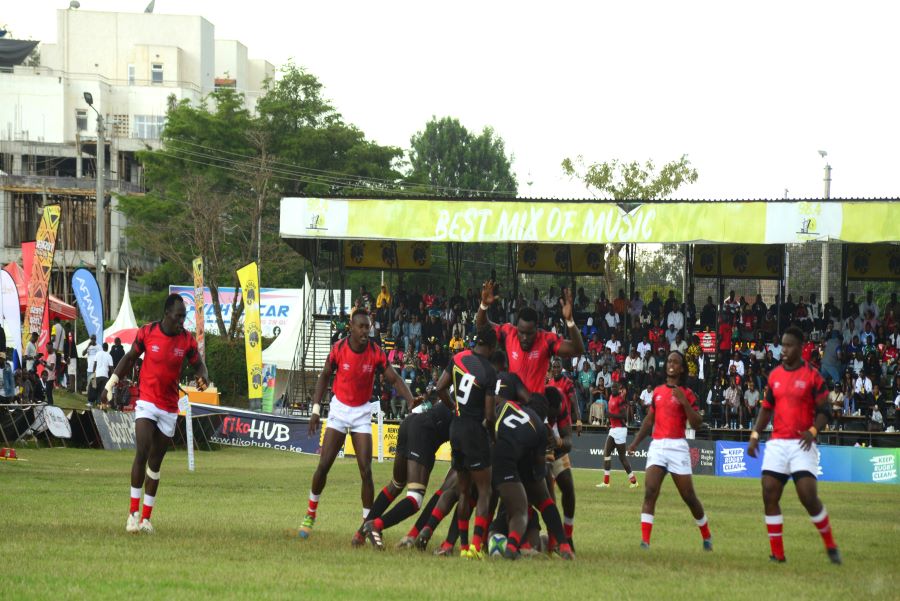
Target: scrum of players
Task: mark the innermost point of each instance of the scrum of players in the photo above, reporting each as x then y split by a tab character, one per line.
509	413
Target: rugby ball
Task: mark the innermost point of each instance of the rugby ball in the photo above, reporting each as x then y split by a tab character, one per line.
497	546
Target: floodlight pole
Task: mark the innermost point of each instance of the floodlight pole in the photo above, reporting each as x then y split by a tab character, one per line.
100	208
823	296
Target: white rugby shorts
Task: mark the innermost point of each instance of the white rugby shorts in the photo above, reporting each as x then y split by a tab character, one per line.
345	418
618	435
673	454
165	421
786	456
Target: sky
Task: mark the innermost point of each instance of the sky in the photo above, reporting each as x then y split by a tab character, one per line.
749	91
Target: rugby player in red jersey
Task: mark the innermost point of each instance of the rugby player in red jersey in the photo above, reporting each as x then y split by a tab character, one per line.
672	405
165	345
618	431
798	398
354	361
527	347
474	382
561	429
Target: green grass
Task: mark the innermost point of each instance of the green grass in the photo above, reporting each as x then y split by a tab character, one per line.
223	533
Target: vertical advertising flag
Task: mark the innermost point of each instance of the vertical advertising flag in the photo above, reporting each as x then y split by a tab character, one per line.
87	294
10	317
249	278
199	306
39	281
268	395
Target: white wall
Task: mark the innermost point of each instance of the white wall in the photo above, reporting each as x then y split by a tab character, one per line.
231	61
32	107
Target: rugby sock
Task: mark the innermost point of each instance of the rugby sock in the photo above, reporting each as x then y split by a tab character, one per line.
365	512
646	527
436	516
513	540
425	514
823	525
775	526
554	524
148	506
313	504
703	524
606	476
135	499
382	501
631	477
452	533
406	507
568	526
481	525
463	526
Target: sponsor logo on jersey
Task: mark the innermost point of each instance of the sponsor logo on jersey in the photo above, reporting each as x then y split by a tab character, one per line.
179	352
367	368
154	348
345	367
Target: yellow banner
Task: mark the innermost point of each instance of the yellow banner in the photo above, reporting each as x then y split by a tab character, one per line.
199	306
45	245
873	261
408	256
585	259
763	261
249	279
588	222
391	432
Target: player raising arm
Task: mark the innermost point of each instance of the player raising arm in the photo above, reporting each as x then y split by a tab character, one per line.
672	404
165	345
798	399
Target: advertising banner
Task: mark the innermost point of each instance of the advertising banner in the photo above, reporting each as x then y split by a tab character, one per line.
116	429
585	259
36	307
732	460
873	261
587	452
49	417
249	279
199	306
278	307
588	222
10	317
406	256
240	428
707	342
90	303
739	261
268	393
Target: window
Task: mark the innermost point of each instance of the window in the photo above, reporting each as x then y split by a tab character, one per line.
131	75
156	73
148	126
118	124
80	119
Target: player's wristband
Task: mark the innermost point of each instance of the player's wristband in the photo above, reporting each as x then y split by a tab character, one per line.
570	323
813	431
483	307
111	383
754	435
317	408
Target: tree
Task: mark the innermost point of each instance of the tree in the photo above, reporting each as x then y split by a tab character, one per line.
628	182
447	155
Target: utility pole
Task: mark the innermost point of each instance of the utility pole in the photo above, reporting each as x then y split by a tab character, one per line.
100	250
823	295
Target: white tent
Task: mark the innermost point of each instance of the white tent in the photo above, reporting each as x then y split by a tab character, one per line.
124	327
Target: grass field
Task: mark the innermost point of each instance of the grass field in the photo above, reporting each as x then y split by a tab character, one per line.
225	532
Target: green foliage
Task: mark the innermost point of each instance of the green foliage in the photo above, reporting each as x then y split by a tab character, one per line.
632	181
446	154
225	361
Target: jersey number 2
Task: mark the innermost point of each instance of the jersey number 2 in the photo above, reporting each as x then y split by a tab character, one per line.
515	419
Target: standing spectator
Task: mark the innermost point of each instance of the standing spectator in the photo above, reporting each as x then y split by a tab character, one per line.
724	333
637	307
586	378
612	320
731	305
103	366
671	303
31	352
91	353
831	312
39	386
117	351
692	357
708	315
7	380
51	366
2	339
759	309
634	368
620	305
690	316
851	309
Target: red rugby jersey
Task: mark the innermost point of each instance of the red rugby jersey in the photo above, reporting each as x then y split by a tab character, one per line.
354	372
616	404
567	388
532	366
163	357
565	410
669	414
792	395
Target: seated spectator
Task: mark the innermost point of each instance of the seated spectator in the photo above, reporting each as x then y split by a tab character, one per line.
836	399
675	319
876	420
613	345
595	344
737	363
679	344
644	347
634	368
862	391
671	335
751	404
